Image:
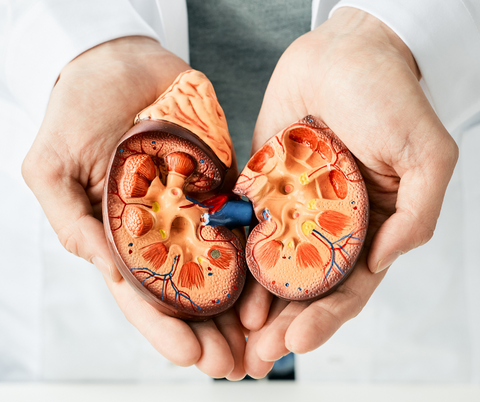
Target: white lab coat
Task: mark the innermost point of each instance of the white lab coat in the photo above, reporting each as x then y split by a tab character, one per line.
57	318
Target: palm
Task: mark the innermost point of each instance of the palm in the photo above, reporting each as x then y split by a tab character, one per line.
369	96
92	105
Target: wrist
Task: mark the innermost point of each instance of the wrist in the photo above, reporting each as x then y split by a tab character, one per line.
353	21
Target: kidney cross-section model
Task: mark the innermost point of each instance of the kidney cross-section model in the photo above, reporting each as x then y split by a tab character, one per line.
164	189
312	206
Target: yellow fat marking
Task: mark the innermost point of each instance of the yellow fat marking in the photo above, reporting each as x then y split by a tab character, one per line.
163	233
155	207
307	227
200	260
312	204
304	178
290	244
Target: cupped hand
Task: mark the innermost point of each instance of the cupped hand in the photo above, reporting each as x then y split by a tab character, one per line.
91	106
356	75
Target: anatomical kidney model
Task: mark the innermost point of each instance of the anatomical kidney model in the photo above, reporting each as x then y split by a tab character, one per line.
312	205
167	209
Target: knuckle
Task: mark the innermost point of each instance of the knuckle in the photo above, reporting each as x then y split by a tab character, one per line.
72	238
357	302
36	169
68	240
454	152
421	228
426	233
423	234
325	312
28	169
447	155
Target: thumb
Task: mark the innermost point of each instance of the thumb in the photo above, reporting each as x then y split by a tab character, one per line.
419	201
70	213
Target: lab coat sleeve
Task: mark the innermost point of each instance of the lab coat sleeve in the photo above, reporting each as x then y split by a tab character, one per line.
444	38
43	36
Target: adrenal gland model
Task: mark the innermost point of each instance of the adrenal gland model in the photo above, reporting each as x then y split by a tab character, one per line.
170	218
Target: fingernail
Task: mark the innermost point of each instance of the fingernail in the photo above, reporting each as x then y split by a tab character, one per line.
102	266
384	263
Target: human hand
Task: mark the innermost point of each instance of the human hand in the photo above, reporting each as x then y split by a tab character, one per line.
92	105
356	75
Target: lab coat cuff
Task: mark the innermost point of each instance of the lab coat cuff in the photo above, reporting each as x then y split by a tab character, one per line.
444	38
51	33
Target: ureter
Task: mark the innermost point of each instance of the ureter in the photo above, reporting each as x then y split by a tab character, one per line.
175	180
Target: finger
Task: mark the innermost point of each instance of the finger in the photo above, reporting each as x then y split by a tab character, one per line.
271	345
254	304
254	366
216	359
171	337
231	329
419	200
319	321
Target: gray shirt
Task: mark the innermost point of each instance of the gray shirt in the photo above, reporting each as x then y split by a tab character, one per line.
237	45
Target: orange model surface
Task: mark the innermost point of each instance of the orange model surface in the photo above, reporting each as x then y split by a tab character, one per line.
163	175
312	206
